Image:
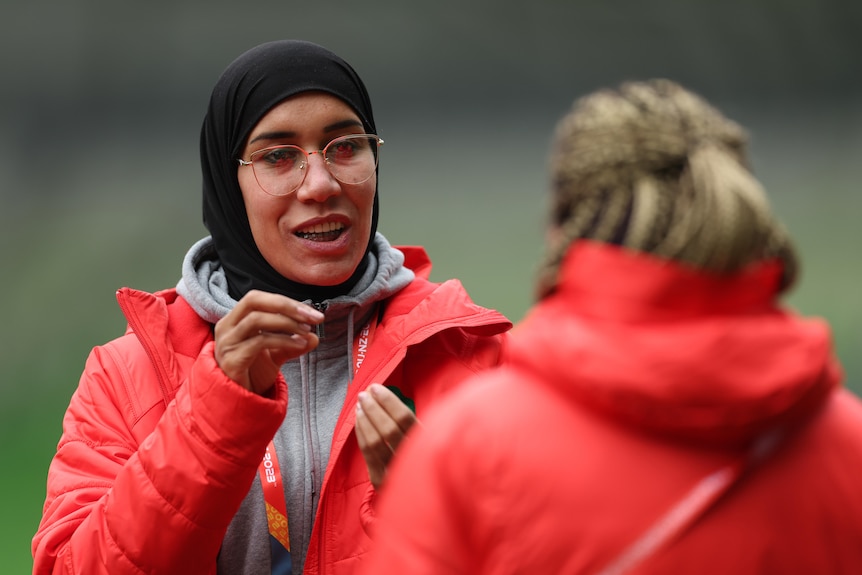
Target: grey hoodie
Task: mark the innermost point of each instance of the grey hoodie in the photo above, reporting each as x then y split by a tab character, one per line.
317	385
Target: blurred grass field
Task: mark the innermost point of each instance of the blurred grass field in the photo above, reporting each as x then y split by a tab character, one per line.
477	206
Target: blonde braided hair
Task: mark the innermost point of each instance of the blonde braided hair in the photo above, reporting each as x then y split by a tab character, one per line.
655	168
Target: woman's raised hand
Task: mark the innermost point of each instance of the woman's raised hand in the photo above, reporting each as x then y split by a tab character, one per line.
382	422
262	332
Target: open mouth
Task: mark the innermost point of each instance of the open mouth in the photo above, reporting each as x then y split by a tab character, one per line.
321	232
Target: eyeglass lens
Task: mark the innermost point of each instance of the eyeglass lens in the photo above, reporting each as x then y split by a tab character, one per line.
351	159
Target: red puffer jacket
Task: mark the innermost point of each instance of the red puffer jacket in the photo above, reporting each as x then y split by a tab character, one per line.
622	392
159	447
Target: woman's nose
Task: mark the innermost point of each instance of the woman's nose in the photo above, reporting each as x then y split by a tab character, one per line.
319	184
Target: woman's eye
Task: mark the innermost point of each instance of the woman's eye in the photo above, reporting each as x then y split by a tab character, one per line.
342	150
285	158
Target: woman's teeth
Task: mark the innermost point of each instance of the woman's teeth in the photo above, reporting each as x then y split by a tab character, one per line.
321	232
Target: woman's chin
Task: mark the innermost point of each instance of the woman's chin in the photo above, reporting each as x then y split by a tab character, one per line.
324	274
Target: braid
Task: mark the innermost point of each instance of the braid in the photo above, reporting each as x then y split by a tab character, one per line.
655	168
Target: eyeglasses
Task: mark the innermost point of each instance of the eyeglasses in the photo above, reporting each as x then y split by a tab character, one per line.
280	170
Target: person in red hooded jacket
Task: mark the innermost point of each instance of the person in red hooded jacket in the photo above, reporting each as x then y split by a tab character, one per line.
659	411
219	434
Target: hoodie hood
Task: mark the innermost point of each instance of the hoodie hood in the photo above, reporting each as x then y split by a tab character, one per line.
671	349
204	283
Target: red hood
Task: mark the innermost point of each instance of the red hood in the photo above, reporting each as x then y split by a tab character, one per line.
665	347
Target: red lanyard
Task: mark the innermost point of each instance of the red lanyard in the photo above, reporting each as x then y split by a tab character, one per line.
270	473
273	496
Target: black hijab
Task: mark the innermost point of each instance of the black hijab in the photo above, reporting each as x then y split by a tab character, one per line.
250	86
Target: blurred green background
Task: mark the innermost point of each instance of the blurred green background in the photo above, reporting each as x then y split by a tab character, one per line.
101	102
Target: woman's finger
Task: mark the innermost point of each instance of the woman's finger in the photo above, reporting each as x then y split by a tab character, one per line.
263	331
375	451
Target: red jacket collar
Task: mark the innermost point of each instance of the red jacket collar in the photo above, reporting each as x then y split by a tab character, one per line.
616	283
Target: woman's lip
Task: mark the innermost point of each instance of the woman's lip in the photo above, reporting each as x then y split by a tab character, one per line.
324	245
310	224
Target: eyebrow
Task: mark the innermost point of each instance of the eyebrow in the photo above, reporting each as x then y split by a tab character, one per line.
287	134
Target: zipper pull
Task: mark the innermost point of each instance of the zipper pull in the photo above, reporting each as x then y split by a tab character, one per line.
319	329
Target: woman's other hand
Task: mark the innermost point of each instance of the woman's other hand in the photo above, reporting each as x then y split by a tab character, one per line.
382	422
262	332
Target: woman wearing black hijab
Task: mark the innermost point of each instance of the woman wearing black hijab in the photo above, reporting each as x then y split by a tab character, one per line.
245	420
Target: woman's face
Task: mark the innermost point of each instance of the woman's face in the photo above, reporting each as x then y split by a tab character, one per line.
318	234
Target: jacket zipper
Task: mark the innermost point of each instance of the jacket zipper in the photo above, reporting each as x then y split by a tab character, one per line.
315	466
320	331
